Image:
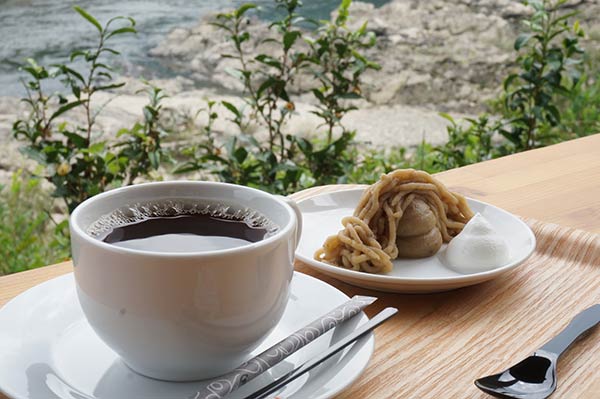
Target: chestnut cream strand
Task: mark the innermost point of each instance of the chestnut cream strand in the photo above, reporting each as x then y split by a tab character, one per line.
368	241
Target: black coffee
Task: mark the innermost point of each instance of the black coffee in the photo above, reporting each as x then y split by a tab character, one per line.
182	226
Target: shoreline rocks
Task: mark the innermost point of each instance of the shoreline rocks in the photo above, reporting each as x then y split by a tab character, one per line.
436	56
444	55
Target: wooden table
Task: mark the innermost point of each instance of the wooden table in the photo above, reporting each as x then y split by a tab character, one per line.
559	184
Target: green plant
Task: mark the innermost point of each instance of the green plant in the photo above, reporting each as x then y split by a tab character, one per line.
546	87
369	164
338	65
552	96
241	159
470	142
265	86
546	63
579	109
77	161
29	238
284	164
139	149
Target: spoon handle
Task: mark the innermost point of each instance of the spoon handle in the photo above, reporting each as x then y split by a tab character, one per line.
580	324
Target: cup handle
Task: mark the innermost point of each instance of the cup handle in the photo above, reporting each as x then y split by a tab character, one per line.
296	210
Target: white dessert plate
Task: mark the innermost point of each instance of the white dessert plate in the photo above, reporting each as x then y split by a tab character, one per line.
322	215
48	350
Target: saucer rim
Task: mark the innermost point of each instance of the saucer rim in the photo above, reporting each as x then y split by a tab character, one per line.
368	341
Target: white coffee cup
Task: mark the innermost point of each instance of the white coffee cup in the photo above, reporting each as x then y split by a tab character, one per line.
184	316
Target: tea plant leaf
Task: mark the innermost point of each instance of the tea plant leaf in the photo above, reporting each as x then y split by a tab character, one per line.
65	108
509	80
87	16
154	158
264	86
111	86
236	73
268	60
109	50
350	96
522	40
77	53
72	72
447	117
244	8
120	31
343	12
96	148
33	154
240	154
232	108
104	66
220	25
554	114
318	94
75	139
289	38
105	74
110	21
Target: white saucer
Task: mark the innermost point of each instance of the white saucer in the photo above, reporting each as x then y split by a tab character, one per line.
322	217
48	350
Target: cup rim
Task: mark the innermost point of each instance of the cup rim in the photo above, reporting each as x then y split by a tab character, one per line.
81	233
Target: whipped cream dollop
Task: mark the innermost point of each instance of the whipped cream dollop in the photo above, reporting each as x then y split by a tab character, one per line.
477	248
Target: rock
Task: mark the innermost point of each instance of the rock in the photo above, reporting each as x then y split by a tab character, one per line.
381	126
515	10
435	56
10	157
398	124
467	42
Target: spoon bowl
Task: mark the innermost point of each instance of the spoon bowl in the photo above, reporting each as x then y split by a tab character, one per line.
532	378
535	376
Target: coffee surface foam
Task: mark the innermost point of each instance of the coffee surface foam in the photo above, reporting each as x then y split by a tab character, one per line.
141	211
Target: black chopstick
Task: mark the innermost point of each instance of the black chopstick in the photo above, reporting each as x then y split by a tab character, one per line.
224	385
362	330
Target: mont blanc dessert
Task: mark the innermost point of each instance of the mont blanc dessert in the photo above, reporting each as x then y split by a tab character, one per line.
406	214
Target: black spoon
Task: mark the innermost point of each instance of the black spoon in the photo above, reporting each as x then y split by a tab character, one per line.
535	377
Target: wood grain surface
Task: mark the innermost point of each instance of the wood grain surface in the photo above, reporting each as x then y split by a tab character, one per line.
439	343
557	184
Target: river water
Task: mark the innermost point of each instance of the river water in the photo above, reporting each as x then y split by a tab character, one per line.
47	30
